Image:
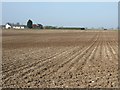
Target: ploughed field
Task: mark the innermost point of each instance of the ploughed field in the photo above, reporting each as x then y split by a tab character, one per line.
60	58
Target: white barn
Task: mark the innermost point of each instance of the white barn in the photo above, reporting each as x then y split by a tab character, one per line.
8	26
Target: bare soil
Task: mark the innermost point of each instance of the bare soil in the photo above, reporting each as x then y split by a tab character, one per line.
60	58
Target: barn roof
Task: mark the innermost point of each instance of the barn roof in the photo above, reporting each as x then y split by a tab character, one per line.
9	24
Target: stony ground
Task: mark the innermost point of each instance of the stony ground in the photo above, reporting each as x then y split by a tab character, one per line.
70	59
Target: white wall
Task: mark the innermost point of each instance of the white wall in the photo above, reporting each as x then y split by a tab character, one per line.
7	26
18	27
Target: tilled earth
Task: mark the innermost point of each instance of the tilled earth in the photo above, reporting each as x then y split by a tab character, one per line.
60	58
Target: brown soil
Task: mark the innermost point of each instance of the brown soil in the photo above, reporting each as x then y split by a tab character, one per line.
70	59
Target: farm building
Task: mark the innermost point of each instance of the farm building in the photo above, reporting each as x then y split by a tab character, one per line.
18	27
8	26
37	26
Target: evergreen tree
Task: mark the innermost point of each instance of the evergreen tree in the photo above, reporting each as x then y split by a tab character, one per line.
29	24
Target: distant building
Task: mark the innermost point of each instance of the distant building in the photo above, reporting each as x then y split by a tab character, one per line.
40	26
8	26
34	26
37	26
18	27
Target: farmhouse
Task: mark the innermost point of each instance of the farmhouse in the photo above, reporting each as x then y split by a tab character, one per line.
9	26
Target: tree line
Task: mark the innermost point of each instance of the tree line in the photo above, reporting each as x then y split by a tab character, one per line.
30	26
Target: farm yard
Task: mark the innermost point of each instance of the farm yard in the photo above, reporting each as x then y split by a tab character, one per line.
60	58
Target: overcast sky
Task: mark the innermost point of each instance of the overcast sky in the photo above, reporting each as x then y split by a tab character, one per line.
80	14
